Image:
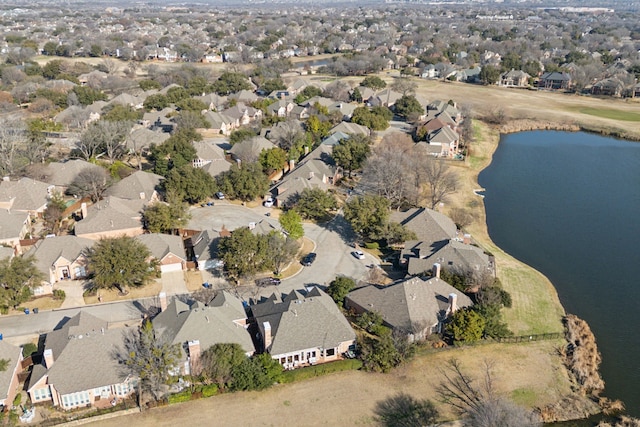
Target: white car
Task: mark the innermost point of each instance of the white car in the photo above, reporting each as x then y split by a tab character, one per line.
268	203
358	254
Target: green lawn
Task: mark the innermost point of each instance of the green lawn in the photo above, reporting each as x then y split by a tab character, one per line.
608	113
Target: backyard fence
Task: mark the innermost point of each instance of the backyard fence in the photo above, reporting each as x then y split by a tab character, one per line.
526	338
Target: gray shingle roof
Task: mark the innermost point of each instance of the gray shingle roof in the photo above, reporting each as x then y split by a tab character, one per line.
429	225
161	245
302	322
135	186
205	244
84	355
219	322
111	214
12	354
27	194
63	173
47	251
409	305
452	255
11	224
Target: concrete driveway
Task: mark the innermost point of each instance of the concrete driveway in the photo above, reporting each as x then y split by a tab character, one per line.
73	290
173	282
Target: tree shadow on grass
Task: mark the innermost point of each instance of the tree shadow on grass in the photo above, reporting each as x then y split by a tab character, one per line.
403	410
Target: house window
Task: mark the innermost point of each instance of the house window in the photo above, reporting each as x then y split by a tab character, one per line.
80	272
331	352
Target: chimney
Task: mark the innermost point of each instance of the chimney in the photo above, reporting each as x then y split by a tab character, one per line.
453	303
306	150
163	301
142	196
83	210
466	239
239	163
194	356
292	164
435	270
311	175
48	358
267	334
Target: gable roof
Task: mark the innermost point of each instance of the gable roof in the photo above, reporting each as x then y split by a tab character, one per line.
14	355
109	214
205	244
49	250
335	138
350	128
257	145
139	185
409	305
429	225
25	194
63	173
207	150
221	321
144	137
83	335
161	245
302	322
454	254
12	223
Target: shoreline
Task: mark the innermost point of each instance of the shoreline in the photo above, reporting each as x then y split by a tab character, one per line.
492	138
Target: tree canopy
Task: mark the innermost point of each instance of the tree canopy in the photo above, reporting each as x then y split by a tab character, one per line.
313	203
351	153
119	262
292	224
368	215
243	183
339	288
373	82
408	106
165	217
18	277
189	184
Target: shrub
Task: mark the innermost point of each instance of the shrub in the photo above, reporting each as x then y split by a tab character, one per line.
17	400
59	294
183	396
28	349
319	370
372	245
209	390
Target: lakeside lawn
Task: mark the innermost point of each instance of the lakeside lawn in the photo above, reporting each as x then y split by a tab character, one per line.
609	113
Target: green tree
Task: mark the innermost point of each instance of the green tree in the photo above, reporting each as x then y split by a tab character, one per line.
218	362
372	322
189	184
280	251
403	410
379	354
148	84
244	183
366	117
241	134
175	152
373	82
489	75
351	153
53	213
52	69
256	373
176	94
272	159
356	95
149	358
291	222
396	233
317	128
307	93
119	262
18	276
243	253
466	326
49	48
271	85
165	217
408	106
368	215
230	82
157	102
95	51
191	104
339	288
313	203
121	113
87	96
511	61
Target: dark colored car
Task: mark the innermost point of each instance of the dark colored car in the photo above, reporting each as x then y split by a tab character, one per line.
309	259
267	281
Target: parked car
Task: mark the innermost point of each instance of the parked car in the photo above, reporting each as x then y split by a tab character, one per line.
358	254
268	203
267	281
219	195
309	259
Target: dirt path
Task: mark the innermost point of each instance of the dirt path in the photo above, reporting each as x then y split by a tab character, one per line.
526	372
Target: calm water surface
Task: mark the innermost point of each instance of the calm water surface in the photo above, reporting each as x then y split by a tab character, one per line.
568	204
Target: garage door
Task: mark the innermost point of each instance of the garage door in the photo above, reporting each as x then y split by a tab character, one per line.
170	267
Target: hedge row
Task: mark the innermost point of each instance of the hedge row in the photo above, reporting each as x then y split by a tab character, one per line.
319	370
197	393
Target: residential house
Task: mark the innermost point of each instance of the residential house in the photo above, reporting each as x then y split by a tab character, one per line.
139	185
167	250
350	128
210	157
299	112
93	79
128	100
514	78
262	227
249	150
443	142
469	75
345	108
25	195
220	123
243	114
555	81
111	217
75	117
159	120
335	138
9	376
608	87
428	225
302	330
635	91
14	226
429	72
244	96
386	97
80	366
280	108
203	249
213	101
416	307
317	170
60	258
419	256
140	140
196	326
62	174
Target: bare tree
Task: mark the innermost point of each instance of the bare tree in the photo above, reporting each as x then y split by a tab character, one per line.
478	401
110	65
404	85
90	182
439	179
12	139
104	136
288	134
462	217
